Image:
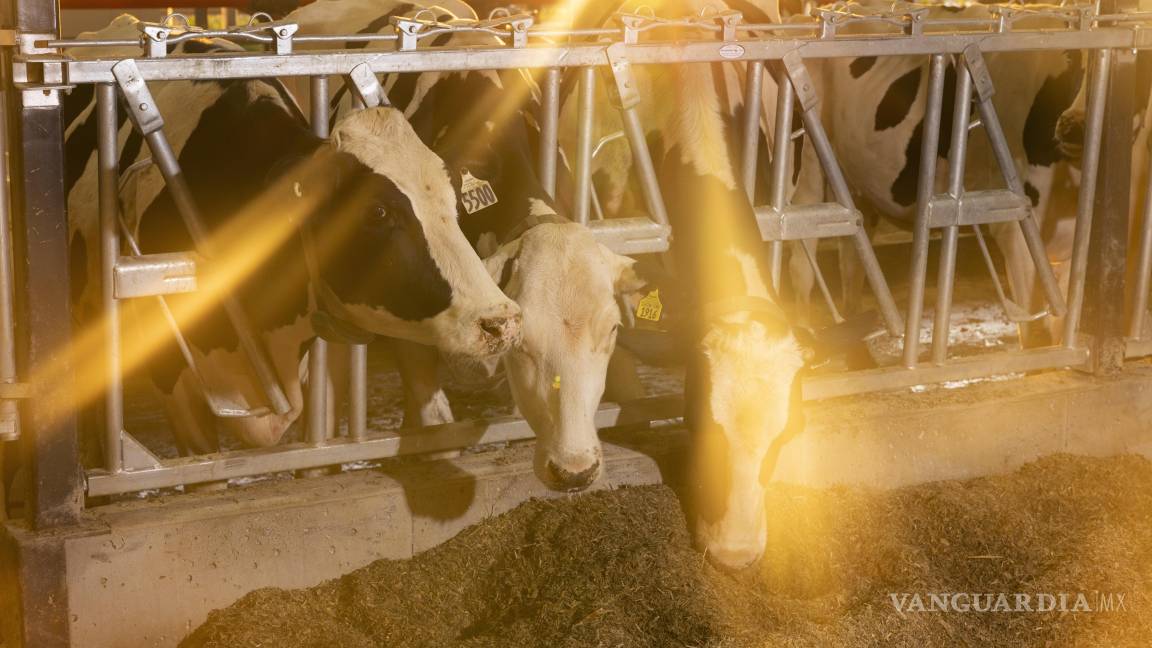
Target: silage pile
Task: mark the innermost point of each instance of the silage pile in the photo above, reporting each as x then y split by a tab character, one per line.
617	569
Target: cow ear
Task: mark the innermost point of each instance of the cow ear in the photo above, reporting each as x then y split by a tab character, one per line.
502	262
625	279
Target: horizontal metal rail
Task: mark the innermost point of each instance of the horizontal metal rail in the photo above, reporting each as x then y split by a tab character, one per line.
50	71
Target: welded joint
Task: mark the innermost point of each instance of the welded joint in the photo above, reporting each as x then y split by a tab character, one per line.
801	80
627	95
366	85
141	107
978	68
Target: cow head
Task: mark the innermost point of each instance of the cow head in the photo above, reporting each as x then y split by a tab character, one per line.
391	252
566	284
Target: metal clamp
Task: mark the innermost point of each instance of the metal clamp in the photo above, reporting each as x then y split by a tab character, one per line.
156	38
364	83
519	26
408	30
729	20
631	24
801	80
282	33
141	107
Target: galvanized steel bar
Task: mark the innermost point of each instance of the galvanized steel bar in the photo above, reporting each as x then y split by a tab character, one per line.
318	104
317	395
586	114
109	176
781	157
9	412
917	274
1089	165
549	129
358	391
1143	265
753	87
957	162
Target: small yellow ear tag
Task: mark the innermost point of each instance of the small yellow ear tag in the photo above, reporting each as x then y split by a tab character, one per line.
556	381
650	307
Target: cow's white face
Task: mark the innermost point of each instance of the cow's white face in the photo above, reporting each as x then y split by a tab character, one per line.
565	283
404	268
743	408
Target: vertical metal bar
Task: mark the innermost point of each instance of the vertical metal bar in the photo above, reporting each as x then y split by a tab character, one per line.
549	130
586	115
752	90
834	175
109	173
1144	265
166	161
317	404
1028	226
920	229
781	156
958	157
642	160
1103	320
1089	168
358	392
9	413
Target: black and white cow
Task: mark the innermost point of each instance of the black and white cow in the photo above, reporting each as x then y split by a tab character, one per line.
742	390
564	280
389	255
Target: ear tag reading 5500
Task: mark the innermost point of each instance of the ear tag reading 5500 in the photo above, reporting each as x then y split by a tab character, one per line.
650	307
476	194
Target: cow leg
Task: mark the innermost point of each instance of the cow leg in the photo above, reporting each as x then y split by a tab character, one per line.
424	400
622	382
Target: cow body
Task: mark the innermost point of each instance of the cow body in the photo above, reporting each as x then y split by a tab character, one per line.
564	281
387	254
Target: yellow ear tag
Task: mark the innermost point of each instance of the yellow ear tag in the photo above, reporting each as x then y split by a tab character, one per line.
556	381
650	307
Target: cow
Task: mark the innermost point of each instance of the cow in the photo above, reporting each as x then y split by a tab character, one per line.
361	227
743	356
564	281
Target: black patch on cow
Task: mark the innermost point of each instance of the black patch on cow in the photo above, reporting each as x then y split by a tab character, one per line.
797	158
131	149
1033	193
897	100
860	66
81	143
904	187
78	265
1054	97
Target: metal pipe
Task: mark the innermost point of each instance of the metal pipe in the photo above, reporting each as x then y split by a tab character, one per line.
957	161
318	108
1144	265
921	227
109	175
169	166
835	178
752	90
586	116
318	392
642	160
358	391
781	157
9	412
1028	226
549	130
1090	161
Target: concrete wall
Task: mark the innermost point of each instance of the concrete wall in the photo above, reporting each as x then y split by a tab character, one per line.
144	573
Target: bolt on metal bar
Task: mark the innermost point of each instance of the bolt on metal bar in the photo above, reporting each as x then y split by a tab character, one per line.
549	129
109	175
1144	265
1089	165
586	114
982	83
781	154
802	82
9	412
921	228
957	162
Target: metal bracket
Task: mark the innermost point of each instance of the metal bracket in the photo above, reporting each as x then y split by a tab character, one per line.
981	78
283	33
631	24
141	107
519	26
408	30
136	456
156	37
154	274
729	20
801	80
626	93
363	81
798	222
26	43
915	26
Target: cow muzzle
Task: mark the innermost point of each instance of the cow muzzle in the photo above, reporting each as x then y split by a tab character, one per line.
565	479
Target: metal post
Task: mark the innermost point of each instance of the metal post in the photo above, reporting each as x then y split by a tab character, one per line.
549	130
781	154
1085	205
920	231
586	115
752	108
318	105
958	154
9	413
1144	265
358	392
642	160
317	404
109	175
1108	239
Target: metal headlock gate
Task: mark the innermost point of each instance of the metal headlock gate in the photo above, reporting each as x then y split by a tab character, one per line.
39	73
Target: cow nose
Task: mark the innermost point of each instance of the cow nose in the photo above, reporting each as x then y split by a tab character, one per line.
565	480
500	332
732	560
